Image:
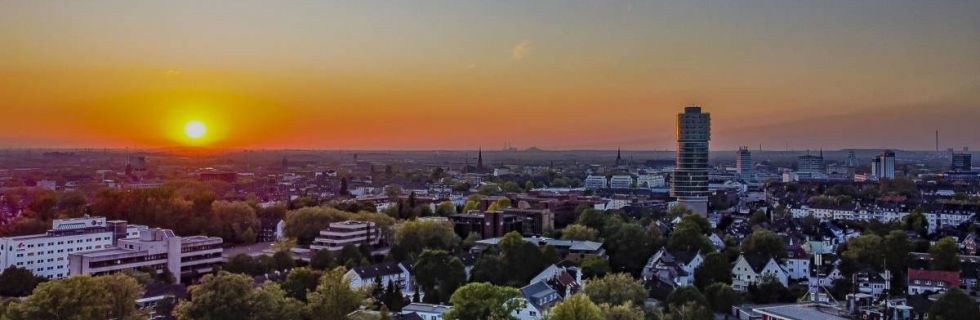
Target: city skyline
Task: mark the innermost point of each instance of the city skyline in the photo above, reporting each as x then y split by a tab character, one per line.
443	75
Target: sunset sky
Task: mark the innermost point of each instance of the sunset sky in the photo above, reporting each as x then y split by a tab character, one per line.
463	74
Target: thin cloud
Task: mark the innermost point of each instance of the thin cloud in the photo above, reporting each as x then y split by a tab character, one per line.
520	50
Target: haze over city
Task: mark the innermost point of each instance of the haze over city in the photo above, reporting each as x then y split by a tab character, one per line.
460	75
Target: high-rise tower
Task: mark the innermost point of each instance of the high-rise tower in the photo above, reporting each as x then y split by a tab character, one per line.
690	181
743	164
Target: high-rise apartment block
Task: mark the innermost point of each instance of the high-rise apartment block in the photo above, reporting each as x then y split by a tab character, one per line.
883	166
690	180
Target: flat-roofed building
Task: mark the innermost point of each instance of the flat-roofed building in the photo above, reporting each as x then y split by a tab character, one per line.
157	249
340	234
46	255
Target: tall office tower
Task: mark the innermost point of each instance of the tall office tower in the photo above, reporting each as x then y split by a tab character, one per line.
811	164
883	166
743	163
962	161
851	159
690	182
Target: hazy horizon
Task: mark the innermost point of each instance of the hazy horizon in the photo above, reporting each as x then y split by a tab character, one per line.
459	75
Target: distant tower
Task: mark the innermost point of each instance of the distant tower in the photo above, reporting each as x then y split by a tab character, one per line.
479	159
619	156
883	166
743	163
285	164
690	180
851	159
962	161
355	157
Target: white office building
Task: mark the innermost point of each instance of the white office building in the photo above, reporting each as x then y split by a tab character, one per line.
620	182
340	234
155	248
651	181
46	255
595	182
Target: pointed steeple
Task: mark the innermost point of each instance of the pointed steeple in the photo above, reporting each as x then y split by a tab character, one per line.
619	155
479	159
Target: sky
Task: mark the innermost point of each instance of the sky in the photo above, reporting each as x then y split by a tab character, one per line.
468	74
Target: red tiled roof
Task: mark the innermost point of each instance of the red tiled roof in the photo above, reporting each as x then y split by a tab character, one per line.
951	278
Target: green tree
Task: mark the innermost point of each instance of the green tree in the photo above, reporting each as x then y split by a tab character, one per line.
488	268
351	257
230	220
628	245
684	295
480	300
764	243
690	311
123	291
616	289
954	305
17	282
945	255
221	296
550	254
865	249
322	260
446	208
592	218
269	302
579	232
622	312
333	298
714	268
688	237
242	263
594	267
916	222
300	282
438	274
721	297
576	307
896	251
521	260
75	298
414	236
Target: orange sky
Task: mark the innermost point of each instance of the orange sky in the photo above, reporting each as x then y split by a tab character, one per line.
454	75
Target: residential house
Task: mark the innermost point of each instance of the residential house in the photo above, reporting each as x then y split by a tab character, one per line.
931	281
750	270
426	311
399	273
539	298
677	267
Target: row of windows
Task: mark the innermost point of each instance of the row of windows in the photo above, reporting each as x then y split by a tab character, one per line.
41	245
31	254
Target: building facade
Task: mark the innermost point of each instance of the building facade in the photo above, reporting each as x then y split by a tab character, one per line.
595	182
621	182
883	166
46	255
155	248
340	234
690	180
743	163
962	162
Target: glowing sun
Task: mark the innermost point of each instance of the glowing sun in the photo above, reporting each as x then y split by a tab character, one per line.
195	129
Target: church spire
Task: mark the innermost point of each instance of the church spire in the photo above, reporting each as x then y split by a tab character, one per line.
479	159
